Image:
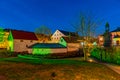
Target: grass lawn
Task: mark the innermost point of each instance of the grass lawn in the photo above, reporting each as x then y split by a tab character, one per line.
53	69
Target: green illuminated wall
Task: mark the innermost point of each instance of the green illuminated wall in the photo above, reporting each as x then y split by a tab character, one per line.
63	42
10	40
41	51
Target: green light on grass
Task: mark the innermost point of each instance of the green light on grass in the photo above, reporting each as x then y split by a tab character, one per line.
41	51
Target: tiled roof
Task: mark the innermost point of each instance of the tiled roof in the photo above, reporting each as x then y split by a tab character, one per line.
47	45
117	36
23	35
68	33
70	39
116	30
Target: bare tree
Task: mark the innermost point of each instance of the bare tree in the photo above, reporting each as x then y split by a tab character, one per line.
86	26
43	30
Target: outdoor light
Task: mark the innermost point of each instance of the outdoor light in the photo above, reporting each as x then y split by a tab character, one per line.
90	60
101	39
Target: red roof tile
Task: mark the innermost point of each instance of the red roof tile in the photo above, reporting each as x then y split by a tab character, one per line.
23	35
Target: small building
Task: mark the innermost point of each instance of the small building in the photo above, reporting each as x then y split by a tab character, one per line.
47	48
115	38
71	43
60	33
20	40
3	39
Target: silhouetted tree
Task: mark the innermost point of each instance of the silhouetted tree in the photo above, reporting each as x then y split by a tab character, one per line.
107	36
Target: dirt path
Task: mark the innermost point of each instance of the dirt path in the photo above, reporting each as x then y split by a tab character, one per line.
115	68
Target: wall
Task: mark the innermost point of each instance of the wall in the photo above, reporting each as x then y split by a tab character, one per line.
73	46
62	42
49	50
21	45
116	41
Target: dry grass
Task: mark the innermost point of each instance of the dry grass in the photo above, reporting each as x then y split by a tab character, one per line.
77	71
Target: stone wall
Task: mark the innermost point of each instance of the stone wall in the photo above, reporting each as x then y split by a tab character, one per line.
21	45
73	47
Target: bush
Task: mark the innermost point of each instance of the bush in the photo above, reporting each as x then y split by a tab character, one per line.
4	53
111	55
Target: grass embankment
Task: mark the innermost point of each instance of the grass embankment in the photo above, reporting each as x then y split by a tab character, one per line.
54	69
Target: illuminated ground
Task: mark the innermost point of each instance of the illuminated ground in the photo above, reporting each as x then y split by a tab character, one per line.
49	69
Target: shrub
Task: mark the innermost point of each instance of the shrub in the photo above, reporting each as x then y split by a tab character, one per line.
4	53
111	55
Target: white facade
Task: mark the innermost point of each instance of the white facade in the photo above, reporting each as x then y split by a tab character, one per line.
56	36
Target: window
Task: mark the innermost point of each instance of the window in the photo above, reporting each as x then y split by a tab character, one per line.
21	40
61	40
31	41
26	45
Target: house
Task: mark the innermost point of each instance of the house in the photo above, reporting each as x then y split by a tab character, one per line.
71	43
60	33
115	37
3	39
20	40
47	48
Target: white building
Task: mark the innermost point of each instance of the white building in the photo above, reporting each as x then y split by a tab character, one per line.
60	33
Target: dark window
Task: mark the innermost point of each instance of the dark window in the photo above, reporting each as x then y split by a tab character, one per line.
117	42
21	40
26	45
31	41
61	40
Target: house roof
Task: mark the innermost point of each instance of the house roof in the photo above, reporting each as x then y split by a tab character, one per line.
116	30
47	45
68	33
23	35
117	36
70	39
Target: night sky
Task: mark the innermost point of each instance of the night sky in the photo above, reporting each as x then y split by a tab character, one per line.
56	14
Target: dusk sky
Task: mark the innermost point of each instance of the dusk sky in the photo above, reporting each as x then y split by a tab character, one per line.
56	14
